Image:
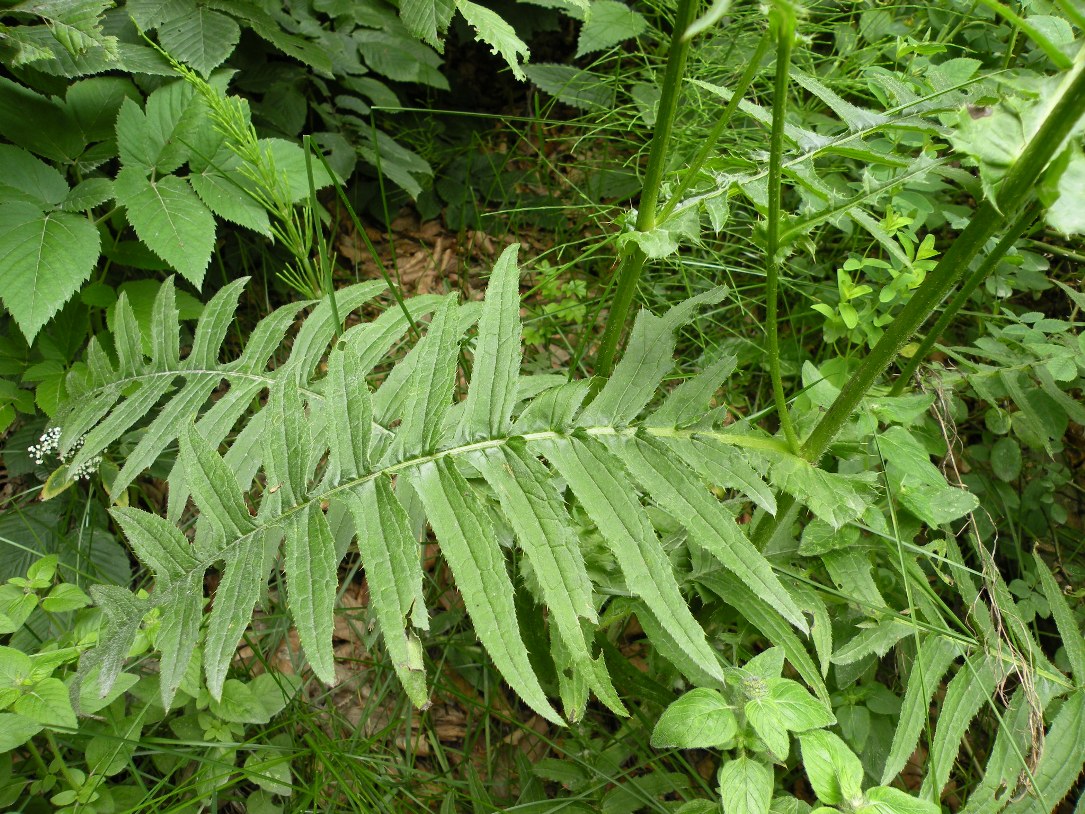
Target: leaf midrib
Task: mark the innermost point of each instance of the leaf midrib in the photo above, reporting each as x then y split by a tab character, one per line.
161	598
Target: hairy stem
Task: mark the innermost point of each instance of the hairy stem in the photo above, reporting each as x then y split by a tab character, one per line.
716	133
784	23
632	262
971	283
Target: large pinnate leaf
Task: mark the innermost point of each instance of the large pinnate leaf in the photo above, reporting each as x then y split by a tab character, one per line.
406	451
45	257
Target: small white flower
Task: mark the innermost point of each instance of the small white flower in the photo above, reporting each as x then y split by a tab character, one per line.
49	444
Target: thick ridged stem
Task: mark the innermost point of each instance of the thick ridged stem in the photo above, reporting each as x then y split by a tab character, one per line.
1016	189
784	23
949	313
633	258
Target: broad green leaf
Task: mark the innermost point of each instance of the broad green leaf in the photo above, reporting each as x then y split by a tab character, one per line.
45	258
590	473
158	137
470	547
710	523
780	705
170	219
15	730
226	191
887	800
745	786
200	38
835	773
428	19
1072	640
88	194
700	719
65	597
46	702
26	178
496	369
609	23
934	656
288	159
391	558
491	29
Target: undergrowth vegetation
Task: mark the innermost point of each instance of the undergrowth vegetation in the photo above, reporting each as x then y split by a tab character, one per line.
542	406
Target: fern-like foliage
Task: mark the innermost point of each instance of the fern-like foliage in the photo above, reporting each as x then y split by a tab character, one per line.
325	443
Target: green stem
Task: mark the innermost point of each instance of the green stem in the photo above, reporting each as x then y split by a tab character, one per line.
632	262
313	217
1047	46
785	33
716	133
963	294
1015	190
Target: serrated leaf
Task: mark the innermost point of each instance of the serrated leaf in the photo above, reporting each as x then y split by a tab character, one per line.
491	29
45	257
170	219
835	773
573	86
47	703
26	178
224	189
649	357
1060	761
390	556
710	524
310	563
745	786
527	495
700	719
622	521
933	659
609	22
469	546
88	194
1072	639
200	37
492	394
966	694
427	19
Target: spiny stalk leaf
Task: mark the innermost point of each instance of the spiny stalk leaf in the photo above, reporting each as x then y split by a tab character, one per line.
400	457
1060	761
933	658
969	690
689	502
393	571
472	551
497	356
625	526
1072	639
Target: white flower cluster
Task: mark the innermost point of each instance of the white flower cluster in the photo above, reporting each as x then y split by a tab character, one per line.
49	444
